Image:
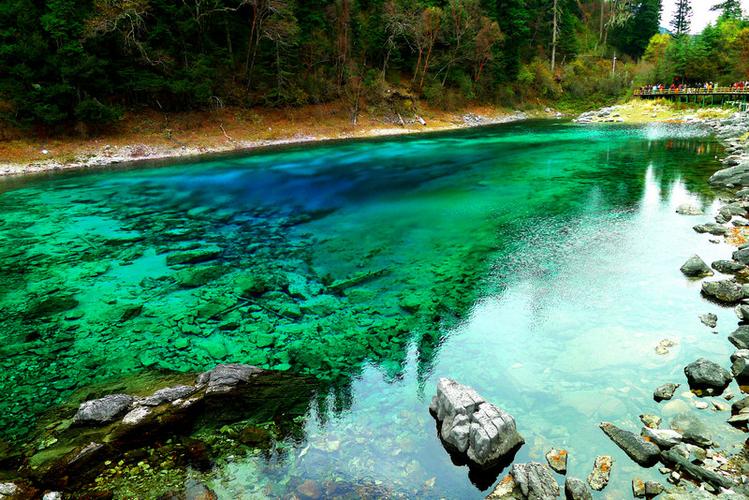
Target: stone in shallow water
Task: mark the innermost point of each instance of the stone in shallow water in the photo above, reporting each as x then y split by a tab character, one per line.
575	489
225	378
535	481
557	460
168	394
725	291
639	450
650	421
194	256
599	476
689	209
470	425
665	392
103	410
664	438
710	320
695	267
740	337
712	228
728	266
704	375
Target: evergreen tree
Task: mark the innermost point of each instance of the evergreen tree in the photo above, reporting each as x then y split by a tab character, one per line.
513	18
729	9
682	20
643	22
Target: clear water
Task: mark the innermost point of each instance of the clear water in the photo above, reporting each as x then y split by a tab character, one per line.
537	262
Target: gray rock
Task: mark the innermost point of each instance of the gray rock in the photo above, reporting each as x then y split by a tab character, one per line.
740	337
725	291
557	460
710	320
52	495
740	365
692	429
741	255
575	489
738	406
742	312
650	421
678	462
168	394
695	267
226	378
535	481
639	450
728	266
663	438
470	425
737	175
9	489
653	489
704	374
688	209
638	488
665	392
599	476
103	410
712	228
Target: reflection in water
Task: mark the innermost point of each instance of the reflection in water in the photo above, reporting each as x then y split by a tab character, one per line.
535	262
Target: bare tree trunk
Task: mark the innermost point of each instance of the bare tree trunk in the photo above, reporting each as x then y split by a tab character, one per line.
426	67
554	37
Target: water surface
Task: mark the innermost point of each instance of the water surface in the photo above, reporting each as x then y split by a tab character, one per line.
537	262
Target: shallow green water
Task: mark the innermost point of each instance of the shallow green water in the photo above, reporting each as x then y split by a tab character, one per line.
536	262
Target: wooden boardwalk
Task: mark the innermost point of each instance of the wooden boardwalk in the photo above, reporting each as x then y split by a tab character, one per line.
716	96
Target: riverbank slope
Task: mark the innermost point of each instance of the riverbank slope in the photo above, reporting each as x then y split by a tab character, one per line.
149	135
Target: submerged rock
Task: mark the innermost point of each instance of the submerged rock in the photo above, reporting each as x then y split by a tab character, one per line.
726	291
575	489
695	267
599	476
643	452
471	426
705	375
103	410
194	256
665	392
689	209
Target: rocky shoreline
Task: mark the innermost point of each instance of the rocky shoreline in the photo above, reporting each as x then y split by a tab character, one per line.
691	461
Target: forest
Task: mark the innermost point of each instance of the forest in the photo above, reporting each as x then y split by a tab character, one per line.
68	61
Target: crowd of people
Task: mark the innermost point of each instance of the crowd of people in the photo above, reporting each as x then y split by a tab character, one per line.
692	88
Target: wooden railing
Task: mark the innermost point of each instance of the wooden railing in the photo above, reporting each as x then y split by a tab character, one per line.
692	91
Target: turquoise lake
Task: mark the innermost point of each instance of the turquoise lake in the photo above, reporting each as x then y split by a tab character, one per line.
537	262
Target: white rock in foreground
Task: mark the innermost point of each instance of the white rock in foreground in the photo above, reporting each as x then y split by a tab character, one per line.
471	426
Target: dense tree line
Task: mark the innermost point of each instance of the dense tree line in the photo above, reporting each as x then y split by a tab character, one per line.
719	54
65	61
